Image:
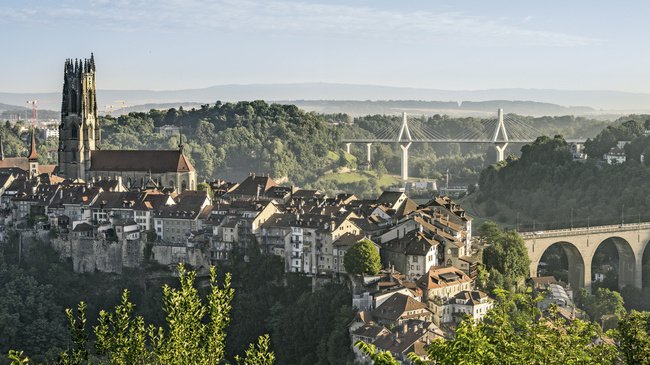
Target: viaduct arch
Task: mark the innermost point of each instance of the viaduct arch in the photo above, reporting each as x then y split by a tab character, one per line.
580	245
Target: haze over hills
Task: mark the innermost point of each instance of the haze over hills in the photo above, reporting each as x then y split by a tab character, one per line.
466	108
322	96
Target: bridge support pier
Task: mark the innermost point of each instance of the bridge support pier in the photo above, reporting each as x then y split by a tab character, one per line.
587	279
501	150
579	271
405	160
638	274
369	150
629	264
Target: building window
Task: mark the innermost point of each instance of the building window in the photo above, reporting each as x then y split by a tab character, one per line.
73	101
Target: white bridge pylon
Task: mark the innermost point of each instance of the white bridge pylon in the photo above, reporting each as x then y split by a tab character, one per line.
501	143
404	144
404	129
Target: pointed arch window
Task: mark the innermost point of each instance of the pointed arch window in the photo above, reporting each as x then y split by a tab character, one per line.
73	101
74	132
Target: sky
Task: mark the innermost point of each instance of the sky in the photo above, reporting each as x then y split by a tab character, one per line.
454	45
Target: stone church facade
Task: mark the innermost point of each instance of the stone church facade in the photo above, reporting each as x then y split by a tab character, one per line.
80	155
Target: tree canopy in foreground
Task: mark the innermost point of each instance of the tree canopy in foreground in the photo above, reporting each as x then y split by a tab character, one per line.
195	331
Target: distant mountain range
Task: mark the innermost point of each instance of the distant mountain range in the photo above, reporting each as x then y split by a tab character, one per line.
466	108
337	97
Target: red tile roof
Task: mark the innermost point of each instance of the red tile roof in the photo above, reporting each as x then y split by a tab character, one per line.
250	186
438	277
400	306
149	160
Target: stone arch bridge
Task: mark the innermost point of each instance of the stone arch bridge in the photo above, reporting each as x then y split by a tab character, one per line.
580	245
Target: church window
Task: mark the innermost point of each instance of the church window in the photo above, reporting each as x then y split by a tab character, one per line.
183	186
73	101
74	132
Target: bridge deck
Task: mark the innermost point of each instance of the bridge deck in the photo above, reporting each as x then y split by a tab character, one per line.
585	230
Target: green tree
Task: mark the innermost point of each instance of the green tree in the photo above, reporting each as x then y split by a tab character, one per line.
634	338
377	357
604	302
312	328
505	254
489	231
29	315
515	332
204	186
194	331
362	258
259	354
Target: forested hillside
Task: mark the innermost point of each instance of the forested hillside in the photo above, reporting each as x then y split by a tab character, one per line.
547	189
230	140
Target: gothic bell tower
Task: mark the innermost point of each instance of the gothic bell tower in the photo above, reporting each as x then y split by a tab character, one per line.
78	132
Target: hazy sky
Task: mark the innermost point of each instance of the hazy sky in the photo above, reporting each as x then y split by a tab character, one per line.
175	44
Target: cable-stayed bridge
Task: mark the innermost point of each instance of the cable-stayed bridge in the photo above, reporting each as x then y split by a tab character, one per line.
499	131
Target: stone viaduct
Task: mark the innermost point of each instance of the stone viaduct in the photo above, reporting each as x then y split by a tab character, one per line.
580	245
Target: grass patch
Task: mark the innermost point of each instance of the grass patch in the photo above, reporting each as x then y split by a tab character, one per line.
357	176
332	157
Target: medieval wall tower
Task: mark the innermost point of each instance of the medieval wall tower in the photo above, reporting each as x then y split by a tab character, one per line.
79	133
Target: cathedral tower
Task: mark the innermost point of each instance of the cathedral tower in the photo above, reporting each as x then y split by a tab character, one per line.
79	133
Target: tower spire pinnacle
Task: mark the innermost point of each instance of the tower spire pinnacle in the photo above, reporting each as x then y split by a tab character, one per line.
33	155
180	141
